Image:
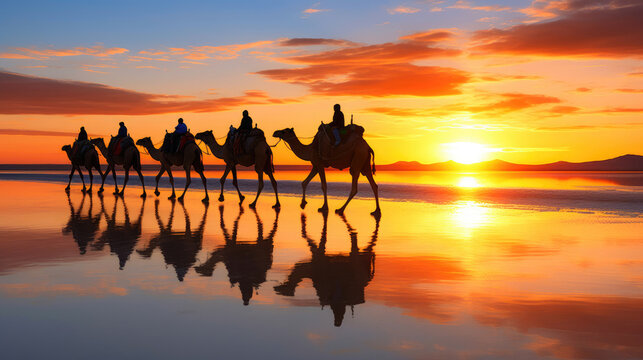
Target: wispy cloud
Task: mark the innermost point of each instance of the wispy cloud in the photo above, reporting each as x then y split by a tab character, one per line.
43	54
23	94
403	10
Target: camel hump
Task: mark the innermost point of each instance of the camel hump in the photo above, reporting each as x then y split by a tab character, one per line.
80	148
175	143
351	136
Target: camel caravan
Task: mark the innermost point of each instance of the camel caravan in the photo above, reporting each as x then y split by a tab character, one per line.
335	145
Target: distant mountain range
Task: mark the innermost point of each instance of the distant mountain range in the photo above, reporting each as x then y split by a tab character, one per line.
621	163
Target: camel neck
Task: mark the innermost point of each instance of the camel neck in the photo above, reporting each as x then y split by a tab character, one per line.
304	152
154	152
103	150
217	150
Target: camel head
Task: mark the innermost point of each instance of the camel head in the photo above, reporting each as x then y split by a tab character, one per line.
97	141
66	148
146	141
284	133
205	136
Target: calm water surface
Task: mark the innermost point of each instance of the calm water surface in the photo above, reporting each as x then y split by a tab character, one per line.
83	276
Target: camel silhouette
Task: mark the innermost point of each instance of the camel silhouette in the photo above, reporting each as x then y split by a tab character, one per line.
130	157
357	155
260	157
89	160
191	156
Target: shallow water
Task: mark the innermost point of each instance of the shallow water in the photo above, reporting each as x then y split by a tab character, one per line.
102	277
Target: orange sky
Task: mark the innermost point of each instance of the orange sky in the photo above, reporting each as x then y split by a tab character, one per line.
532	82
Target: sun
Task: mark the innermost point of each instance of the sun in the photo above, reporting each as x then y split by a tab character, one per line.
466	152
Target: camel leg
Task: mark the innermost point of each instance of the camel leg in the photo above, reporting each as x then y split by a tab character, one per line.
169	173
369	175
259	188
113	167
140	177
277	205
125	181
322	177
236	184
206	199
304	184
188	181
103	176
81	179
222	181
71	174
351	195
91	179
158	177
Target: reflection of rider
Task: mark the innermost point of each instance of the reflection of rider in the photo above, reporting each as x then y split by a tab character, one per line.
339	280
337	124
244	129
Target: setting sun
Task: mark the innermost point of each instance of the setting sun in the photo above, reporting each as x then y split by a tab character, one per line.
466	152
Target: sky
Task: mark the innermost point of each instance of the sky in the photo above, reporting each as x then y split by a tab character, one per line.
522	81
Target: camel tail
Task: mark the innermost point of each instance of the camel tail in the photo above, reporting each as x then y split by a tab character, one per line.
372	159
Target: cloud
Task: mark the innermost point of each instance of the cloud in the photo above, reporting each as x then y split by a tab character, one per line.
403	10
314	41
202	52
465	5
22	94
583	89
310	11
510	102
376	70
612	30
42	54
631	91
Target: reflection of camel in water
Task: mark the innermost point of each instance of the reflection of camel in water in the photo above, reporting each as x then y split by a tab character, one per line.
247	263
179	248
357	156
260	158
122	238
339	280
90	160
83	228
189	157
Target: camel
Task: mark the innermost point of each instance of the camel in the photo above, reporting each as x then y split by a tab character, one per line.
190	156
357	157
247	262
128	158
261	158
339	280
90	160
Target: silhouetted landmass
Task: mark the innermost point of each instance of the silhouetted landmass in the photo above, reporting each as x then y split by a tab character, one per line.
622	163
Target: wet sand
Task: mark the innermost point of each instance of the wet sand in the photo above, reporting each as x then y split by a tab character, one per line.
84	276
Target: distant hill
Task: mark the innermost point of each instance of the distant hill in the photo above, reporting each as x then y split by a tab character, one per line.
621	163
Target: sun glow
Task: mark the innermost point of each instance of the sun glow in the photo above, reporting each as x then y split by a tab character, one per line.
466	152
